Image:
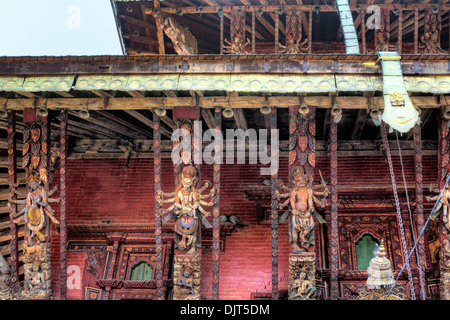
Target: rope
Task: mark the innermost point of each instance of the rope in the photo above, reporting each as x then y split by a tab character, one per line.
399	213
421	233
419	267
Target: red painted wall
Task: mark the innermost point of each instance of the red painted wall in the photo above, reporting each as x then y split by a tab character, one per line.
107	190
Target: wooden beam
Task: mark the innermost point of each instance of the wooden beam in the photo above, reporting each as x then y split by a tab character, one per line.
147	121
123	122
147	103
160	32
239	117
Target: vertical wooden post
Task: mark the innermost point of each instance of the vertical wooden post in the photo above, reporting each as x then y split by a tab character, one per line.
63	206
216	212
14	256
277	33
416	31
363	31
253	33
400	31
310	31
221	34
419	206
273	126
334	285
158	222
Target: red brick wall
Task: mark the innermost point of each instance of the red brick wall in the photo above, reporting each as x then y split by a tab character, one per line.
106	189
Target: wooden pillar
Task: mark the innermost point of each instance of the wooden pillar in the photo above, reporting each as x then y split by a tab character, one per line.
363	31
274	205
334	285
14	256
253	33
310	39
63	205
416	31
221	34
419	206
158	222
277	33
216	213
400	32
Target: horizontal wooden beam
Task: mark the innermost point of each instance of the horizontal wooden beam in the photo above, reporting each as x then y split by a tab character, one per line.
146	103
274	8
362	64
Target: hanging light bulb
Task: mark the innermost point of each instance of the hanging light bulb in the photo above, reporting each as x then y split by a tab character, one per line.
280	11
43	111
4	111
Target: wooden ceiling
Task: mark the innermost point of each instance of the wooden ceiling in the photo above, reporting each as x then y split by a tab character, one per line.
141	36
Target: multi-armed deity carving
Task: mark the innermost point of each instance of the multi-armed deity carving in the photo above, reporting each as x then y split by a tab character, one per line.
183	40
431	37
238	42
302	198
187	209
36	214
294	43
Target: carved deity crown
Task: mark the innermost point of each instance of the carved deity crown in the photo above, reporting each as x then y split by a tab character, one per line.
33	176
189	171
298	172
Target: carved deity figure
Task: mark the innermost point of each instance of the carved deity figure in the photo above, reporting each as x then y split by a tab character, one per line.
187	209
303	288
36	213
293	46
301	199
237	46
35	282
183	40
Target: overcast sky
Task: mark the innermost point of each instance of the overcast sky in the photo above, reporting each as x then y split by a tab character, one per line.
58	27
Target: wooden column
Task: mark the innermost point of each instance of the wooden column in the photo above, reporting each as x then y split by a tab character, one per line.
419	206
416	31
216	213
14	256
253	33
334	285
158	222
221	34
310	31
273	126
363	31
63	206
400	31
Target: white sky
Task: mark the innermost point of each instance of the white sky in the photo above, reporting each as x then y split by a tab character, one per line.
58	28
